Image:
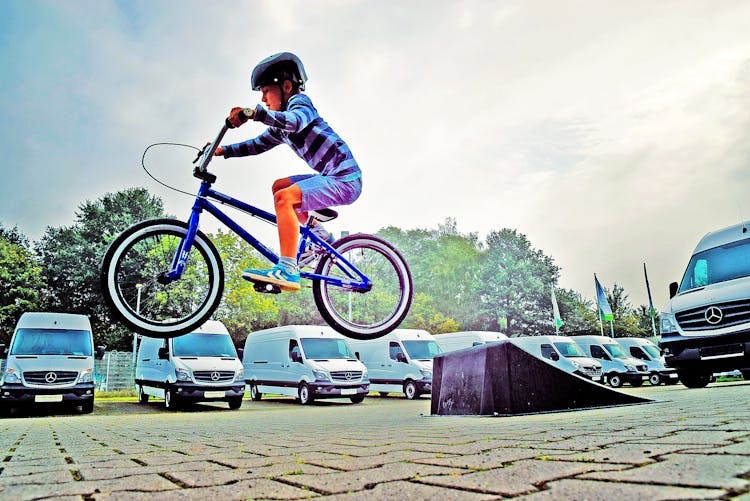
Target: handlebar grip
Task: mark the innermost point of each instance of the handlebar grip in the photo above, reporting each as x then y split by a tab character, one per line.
229	125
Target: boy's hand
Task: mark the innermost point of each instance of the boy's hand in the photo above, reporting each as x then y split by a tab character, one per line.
237	117
219	152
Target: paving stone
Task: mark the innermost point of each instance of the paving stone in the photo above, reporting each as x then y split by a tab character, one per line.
630	453
35	477
495	458
708	437
88	473
341	482
142	483
411	491
517	478
607	491
191	478
694	470
250	489
364	463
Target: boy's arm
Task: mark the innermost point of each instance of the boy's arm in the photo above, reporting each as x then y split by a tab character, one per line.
267	140
298	116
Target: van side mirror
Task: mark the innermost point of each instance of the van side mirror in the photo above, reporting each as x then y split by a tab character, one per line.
296	357
400	357
554	356
100	352
673	289
356	354
163	353
241	354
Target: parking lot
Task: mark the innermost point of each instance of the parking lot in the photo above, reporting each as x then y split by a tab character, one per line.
691	444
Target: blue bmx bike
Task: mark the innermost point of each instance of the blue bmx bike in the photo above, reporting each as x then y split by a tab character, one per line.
164	277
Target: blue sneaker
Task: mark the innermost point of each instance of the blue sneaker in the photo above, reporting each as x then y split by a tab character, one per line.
276	275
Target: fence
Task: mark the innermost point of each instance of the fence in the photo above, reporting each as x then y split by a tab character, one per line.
115	372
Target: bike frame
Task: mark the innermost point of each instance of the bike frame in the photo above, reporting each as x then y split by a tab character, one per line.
356	279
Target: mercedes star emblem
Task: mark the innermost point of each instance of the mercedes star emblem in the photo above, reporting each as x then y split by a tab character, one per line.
50	377
714	315
348	376
215	376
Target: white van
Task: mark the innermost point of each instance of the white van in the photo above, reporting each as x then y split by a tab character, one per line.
199	366
646	351
305	362
705	326
452	341
617	366
51	359
562	352
400	361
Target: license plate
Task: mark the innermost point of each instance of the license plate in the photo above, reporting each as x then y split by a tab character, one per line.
349	391
214	394
596	378
48	398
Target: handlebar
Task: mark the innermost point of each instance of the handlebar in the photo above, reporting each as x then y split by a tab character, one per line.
206	154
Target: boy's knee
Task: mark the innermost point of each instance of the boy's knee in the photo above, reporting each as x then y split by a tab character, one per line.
280	184
283	198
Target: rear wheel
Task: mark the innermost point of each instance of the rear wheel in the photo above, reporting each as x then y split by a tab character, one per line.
357	311
142	397
135	286
745	374
255	394
695	380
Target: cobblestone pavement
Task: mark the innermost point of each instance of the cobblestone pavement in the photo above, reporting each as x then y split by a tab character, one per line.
692	444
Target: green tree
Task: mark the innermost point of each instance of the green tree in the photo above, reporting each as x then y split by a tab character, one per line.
20	280
515	278
578	314
71	258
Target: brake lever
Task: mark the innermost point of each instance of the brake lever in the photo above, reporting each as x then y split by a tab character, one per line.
200	153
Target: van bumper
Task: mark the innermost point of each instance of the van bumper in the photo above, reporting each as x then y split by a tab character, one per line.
713	353
19	394
330	390
424	386
191	391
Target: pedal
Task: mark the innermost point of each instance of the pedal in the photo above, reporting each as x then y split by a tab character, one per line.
266	288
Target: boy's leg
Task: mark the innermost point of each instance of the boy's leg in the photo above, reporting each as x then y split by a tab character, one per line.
281	184
286	201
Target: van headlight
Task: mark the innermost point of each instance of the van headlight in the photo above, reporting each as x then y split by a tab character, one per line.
11	376
577	365
426	373
239	375
667	324
86	376
320	375
365	374
630	368
182	374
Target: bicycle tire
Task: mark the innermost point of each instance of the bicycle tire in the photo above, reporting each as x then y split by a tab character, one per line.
361	314
139	255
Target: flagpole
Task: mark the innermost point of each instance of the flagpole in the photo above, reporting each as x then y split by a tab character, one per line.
650	302
598	310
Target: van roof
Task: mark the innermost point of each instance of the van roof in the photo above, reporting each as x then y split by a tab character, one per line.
301	330
594	339
723	236
50	320
212	327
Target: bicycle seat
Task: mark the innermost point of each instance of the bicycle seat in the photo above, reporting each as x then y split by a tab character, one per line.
324	215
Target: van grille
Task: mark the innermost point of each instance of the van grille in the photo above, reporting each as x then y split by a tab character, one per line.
213	376
720	351
50	378
732	313
592	371
346	376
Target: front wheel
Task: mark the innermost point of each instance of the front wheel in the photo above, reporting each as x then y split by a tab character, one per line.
363	312
410	390
136	287
695	380
654	379
305	395
614	381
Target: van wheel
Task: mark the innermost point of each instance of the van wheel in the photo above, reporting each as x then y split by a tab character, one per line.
87	407
693	380
170	400
745	374
654	379
142	397
357	399
255	394
235	403
614	381
410	390
305	396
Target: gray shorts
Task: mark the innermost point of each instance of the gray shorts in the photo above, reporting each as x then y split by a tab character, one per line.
321	192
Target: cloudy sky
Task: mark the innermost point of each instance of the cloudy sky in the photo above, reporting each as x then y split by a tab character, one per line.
610	133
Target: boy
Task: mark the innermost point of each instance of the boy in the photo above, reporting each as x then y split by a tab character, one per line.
292	119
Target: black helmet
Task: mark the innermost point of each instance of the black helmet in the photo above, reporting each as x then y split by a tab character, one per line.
277	68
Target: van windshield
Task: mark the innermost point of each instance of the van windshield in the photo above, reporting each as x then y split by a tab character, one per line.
653	351
325	349
615	350
52	342
203	345
570	350
719	264
422	350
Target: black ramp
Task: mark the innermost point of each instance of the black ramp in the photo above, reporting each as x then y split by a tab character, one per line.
503	379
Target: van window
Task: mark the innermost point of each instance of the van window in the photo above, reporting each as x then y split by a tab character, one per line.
570	350
394	349
52	342
547	351
615	350
203	345
719	264
294	349
324	349
638	353
652	350
598	352
422	350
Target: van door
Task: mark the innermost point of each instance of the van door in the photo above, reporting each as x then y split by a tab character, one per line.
295	366
601	354
398	362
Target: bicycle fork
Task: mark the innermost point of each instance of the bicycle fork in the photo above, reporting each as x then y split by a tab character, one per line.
179	260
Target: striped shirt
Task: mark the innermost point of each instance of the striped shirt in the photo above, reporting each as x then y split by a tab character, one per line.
306	133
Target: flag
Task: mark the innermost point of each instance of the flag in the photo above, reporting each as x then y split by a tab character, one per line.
605	312
556	310
651	309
